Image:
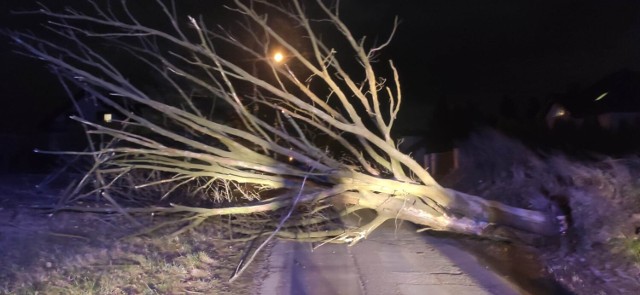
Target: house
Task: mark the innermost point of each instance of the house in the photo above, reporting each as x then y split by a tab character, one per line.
610	105
434	145
439	162
64	133
54	132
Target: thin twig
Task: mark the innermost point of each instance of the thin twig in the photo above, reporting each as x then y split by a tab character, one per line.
242	265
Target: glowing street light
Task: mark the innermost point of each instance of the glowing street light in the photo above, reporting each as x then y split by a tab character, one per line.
278	57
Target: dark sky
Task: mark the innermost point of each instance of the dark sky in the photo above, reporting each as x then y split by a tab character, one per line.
466	50
480	49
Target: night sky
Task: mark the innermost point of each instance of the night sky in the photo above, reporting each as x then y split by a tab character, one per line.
466	50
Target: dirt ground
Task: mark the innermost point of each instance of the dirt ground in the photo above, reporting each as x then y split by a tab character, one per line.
598	253
83	253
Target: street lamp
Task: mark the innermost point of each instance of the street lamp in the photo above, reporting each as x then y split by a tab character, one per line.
278	57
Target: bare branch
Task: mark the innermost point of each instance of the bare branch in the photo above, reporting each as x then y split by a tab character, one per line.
294	138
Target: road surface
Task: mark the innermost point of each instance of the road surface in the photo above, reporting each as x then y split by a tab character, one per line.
389	262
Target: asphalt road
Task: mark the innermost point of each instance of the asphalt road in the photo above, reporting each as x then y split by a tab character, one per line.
390	262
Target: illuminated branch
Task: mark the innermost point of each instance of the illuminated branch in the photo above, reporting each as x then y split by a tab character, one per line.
308	113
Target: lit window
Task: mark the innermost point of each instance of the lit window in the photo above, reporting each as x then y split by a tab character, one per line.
107	117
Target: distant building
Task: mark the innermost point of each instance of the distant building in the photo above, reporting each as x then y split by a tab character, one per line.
66	134
610	105
438	161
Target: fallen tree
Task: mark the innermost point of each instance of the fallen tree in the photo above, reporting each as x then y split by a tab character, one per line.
305	138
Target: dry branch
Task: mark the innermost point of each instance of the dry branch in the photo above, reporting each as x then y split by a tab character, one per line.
312	116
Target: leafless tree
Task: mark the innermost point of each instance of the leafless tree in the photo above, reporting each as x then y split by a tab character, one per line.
308	139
